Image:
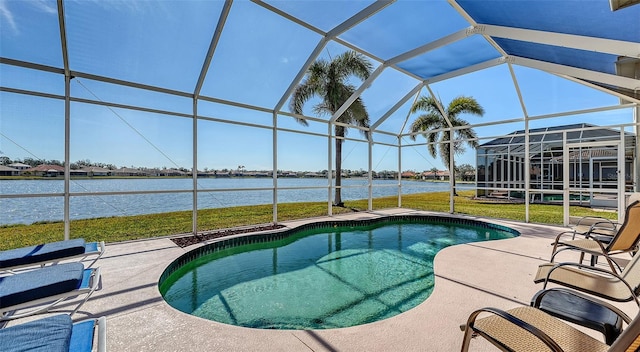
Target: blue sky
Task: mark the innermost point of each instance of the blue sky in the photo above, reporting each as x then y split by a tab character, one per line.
164	44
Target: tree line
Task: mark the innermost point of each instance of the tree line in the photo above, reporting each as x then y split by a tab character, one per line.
5	160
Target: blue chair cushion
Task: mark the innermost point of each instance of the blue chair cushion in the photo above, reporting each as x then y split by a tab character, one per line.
51	334
42	252
82	336
40	283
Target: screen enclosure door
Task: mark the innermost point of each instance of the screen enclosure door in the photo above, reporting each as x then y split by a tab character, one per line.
595	177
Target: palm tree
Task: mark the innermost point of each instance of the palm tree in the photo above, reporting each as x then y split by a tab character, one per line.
434	119
328	81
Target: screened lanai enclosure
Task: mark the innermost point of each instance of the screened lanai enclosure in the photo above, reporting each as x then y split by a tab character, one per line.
122	108
592	158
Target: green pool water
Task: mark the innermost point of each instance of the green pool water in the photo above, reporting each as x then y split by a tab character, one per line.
319	279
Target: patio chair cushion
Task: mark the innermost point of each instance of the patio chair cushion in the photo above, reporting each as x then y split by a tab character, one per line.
40	283
42	252
51	334
82	336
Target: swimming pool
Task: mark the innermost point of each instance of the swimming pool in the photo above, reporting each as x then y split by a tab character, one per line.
318	276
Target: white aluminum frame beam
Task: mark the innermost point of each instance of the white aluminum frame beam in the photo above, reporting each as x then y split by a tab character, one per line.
357	93
67	119
303	71
224	14
438	43
466	70
602	89
610	46
397	106
212	46
589	75
332	34
359	17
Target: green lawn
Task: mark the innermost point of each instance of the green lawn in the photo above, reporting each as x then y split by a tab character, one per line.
116	229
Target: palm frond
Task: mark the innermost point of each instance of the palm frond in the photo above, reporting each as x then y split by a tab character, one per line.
351	63
425	122
466	105
432	139
426	104
435	119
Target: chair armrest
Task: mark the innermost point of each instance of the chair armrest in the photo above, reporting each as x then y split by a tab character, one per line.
538	298
603	228
102	334
594	219
595	224
511	319
592	268
562	234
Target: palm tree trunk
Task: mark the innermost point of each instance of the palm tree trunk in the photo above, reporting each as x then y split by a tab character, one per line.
338	198
452	173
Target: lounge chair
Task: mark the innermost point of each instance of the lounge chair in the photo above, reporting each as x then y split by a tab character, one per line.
584	310
596	243
597	225
37	291
55	333
620	287
531	329
47	253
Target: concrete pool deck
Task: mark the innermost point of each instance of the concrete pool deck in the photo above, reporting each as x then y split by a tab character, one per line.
469	276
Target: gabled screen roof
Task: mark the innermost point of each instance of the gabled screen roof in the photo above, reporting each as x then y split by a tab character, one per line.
254	53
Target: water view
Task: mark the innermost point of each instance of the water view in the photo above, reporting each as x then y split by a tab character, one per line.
215	193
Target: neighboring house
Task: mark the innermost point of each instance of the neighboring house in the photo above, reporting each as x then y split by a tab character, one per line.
46	170
288	174
438	175
387	175
96	171
78	172
152	172
8	171
469	176
127	171
171	172
19	166
408	174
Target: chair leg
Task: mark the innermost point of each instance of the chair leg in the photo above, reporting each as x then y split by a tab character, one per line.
468	334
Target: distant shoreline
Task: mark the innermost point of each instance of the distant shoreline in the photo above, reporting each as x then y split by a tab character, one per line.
106	196
43	178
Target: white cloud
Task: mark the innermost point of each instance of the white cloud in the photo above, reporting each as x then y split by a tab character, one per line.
45	6
8	19
7	16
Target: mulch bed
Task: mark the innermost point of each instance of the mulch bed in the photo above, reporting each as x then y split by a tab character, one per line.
489	200
209	235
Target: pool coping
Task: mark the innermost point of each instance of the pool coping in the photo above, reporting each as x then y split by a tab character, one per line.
468	276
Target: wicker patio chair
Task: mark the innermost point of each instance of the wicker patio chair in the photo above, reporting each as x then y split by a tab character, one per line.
597	241
620	287
525	329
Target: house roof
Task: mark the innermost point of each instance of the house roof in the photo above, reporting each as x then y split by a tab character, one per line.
19	165
583	132
47	168
7	168
95	169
